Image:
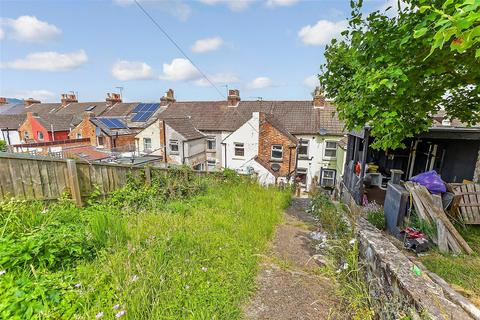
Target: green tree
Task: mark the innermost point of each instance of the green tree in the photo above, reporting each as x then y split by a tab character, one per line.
380	74
3	146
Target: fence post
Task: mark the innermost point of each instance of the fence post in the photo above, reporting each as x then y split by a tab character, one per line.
148	175
73	182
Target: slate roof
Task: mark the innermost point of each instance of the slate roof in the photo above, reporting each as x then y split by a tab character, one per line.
120	109
42	108
11	108
297	117
185	127
11	121
89	153
59	122
277	125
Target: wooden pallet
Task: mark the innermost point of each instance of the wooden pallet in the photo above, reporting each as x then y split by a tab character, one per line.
466	202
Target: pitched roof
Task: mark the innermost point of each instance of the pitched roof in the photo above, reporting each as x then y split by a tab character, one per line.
297	117
111	131
12	108
120	109
42	108
89	153
185	127
59	122
11	121
270	118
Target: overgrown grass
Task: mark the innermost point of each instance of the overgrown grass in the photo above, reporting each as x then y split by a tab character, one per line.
462	270
184	248
342	258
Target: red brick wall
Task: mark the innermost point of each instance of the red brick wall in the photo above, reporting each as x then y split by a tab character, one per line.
87	129
268	136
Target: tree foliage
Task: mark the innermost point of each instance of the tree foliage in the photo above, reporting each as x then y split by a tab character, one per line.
382	73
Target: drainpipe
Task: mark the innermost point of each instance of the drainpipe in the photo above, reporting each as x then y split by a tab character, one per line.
183	152
225	153
164	144
53	132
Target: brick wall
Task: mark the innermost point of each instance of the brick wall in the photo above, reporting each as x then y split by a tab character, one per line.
268	136
87	130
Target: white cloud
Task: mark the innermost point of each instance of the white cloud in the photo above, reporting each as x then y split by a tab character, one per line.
2	34
234	5
322	32
222	78
179	70
177	8
392	6
131	70
49	61
260	83
280	3
207	44
311	81
42	95
30	29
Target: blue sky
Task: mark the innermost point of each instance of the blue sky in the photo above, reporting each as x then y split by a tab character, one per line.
264	48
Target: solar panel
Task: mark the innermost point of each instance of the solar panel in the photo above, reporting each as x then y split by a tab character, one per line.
139	107
113	123
144	111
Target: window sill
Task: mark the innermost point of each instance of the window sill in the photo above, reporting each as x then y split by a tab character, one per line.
276	160
211	150
238	158
175	153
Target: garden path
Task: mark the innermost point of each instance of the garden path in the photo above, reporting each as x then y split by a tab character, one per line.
289	283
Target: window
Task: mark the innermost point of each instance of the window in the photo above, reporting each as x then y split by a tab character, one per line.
100	141
303	149
79	135
173	146
277	152
330	149
26	136
147	144
327	178
211	165
211	143
239	149
302	175
40	135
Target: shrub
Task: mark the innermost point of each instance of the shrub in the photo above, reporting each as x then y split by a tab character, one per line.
375	215
330	217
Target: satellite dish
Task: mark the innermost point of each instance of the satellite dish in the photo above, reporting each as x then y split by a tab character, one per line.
322	131
275	167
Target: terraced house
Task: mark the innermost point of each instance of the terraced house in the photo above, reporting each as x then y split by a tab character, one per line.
278	141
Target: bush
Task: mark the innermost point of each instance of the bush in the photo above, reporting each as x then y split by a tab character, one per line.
375	215
330	217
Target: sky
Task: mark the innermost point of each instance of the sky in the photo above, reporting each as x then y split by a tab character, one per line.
265	48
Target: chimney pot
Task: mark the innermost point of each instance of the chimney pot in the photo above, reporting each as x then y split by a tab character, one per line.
30	101
233	97
319	97
3	100
113	98
68	98
169	97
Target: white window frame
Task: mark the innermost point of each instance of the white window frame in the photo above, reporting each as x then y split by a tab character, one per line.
102	139
302	171
147	146
211	164
212	140
273	146
26	136
174	143
323	178
238	146
330	149
38	135
79	135
305	143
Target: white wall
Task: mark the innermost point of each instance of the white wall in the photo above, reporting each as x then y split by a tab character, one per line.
316	149
12	134
152	132
246	134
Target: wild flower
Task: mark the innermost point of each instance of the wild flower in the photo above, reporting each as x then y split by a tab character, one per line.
78	285
134	278
352	242
187	287
115	307
44	211
120	314
204	269
99	315
2	272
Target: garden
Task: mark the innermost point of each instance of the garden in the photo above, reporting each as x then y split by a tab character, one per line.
185	247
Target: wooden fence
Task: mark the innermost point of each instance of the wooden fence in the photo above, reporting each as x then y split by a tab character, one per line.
42	178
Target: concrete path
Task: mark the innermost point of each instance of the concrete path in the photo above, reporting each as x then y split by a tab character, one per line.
289	283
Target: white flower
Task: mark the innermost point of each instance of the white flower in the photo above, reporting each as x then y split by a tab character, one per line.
99	315
44	210
115	307
120	314
2	272
353	241
204	269
187	287
134	278
78	285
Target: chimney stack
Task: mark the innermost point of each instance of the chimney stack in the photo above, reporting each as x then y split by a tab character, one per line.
68	98
319	97
169	97
233	98
3	100
30	101
113	98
